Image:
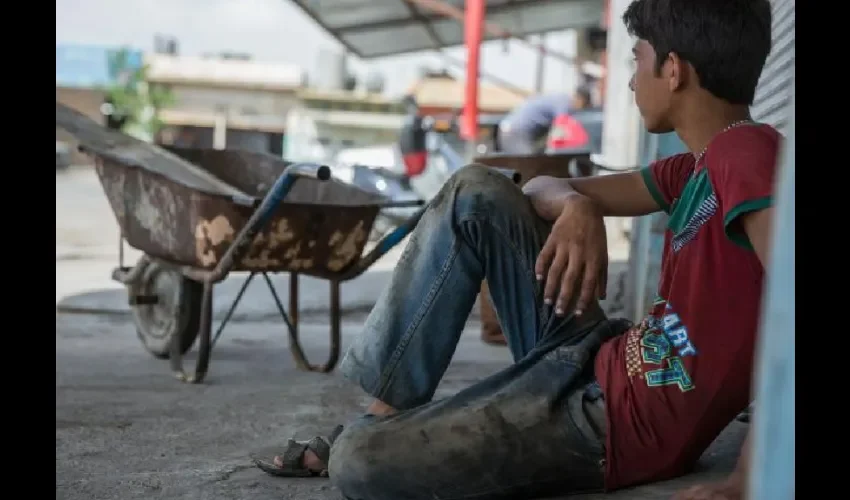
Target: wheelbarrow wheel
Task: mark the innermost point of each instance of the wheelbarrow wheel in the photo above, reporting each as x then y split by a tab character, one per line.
167	304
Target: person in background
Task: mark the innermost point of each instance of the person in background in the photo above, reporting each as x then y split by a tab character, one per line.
412	137
569	133
525	130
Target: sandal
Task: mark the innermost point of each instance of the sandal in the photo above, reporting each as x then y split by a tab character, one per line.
293	457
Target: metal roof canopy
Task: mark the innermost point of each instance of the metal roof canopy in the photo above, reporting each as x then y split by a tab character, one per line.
381	28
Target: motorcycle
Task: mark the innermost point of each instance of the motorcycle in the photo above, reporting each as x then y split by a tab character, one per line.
372	169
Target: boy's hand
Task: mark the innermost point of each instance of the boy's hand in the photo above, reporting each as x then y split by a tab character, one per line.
575	256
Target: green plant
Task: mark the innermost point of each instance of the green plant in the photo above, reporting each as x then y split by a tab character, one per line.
132	96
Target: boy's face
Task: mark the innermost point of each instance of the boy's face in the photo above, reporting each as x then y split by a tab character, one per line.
653	91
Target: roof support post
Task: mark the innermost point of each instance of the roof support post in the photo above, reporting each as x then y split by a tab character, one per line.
474	25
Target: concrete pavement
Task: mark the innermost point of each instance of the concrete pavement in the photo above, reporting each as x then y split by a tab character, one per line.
126	429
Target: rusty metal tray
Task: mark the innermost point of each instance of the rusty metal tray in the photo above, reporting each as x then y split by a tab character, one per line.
319	230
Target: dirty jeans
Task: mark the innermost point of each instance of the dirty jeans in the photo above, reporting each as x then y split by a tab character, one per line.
532	430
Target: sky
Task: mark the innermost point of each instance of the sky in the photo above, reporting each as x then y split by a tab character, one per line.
277	30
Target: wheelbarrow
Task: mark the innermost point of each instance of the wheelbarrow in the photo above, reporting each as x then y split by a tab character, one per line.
200	214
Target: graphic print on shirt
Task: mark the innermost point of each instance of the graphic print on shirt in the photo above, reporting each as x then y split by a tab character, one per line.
697	204
656	347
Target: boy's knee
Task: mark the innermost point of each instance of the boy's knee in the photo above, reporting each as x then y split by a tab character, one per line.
481	189
483	178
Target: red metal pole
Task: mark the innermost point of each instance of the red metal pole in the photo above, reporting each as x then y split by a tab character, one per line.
474	24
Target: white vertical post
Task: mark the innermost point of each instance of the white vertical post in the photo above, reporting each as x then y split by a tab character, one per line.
622	123
220	131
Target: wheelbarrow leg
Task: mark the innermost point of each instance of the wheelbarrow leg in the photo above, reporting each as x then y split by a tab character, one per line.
232	309
336	319
295	348
293	306
295	343
291	324
204	346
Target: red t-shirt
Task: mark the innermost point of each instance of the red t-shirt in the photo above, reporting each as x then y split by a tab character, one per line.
673	383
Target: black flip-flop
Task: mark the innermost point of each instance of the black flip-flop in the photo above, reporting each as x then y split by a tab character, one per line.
293	457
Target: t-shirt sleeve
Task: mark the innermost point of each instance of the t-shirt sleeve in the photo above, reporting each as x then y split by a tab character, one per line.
666	178
742	168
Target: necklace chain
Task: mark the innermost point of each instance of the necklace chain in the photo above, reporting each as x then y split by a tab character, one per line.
728	127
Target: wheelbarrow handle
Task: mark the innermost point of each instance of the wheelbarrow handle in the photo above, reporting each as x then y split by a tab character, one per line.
321	172
281	188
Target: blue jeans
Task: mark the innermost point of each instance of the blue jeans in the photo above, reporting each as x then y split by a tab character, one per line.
534	429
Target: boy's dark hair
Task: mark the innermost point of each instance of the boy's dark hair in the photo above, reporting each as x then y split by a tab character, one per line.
726	41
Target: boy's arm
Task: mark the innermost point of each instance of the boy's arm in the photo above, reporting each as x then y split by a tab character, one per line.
628	194
623	194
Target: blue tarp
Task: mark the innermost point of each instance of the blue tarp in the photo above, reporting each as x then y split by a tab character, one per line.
88	65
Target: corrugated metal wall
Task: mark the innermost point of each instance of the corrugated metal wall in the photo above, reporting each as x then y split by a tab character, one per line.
774	91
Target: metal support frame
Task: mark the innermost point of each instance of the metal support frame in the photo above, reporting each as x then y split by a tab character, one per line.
448	10
291	320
